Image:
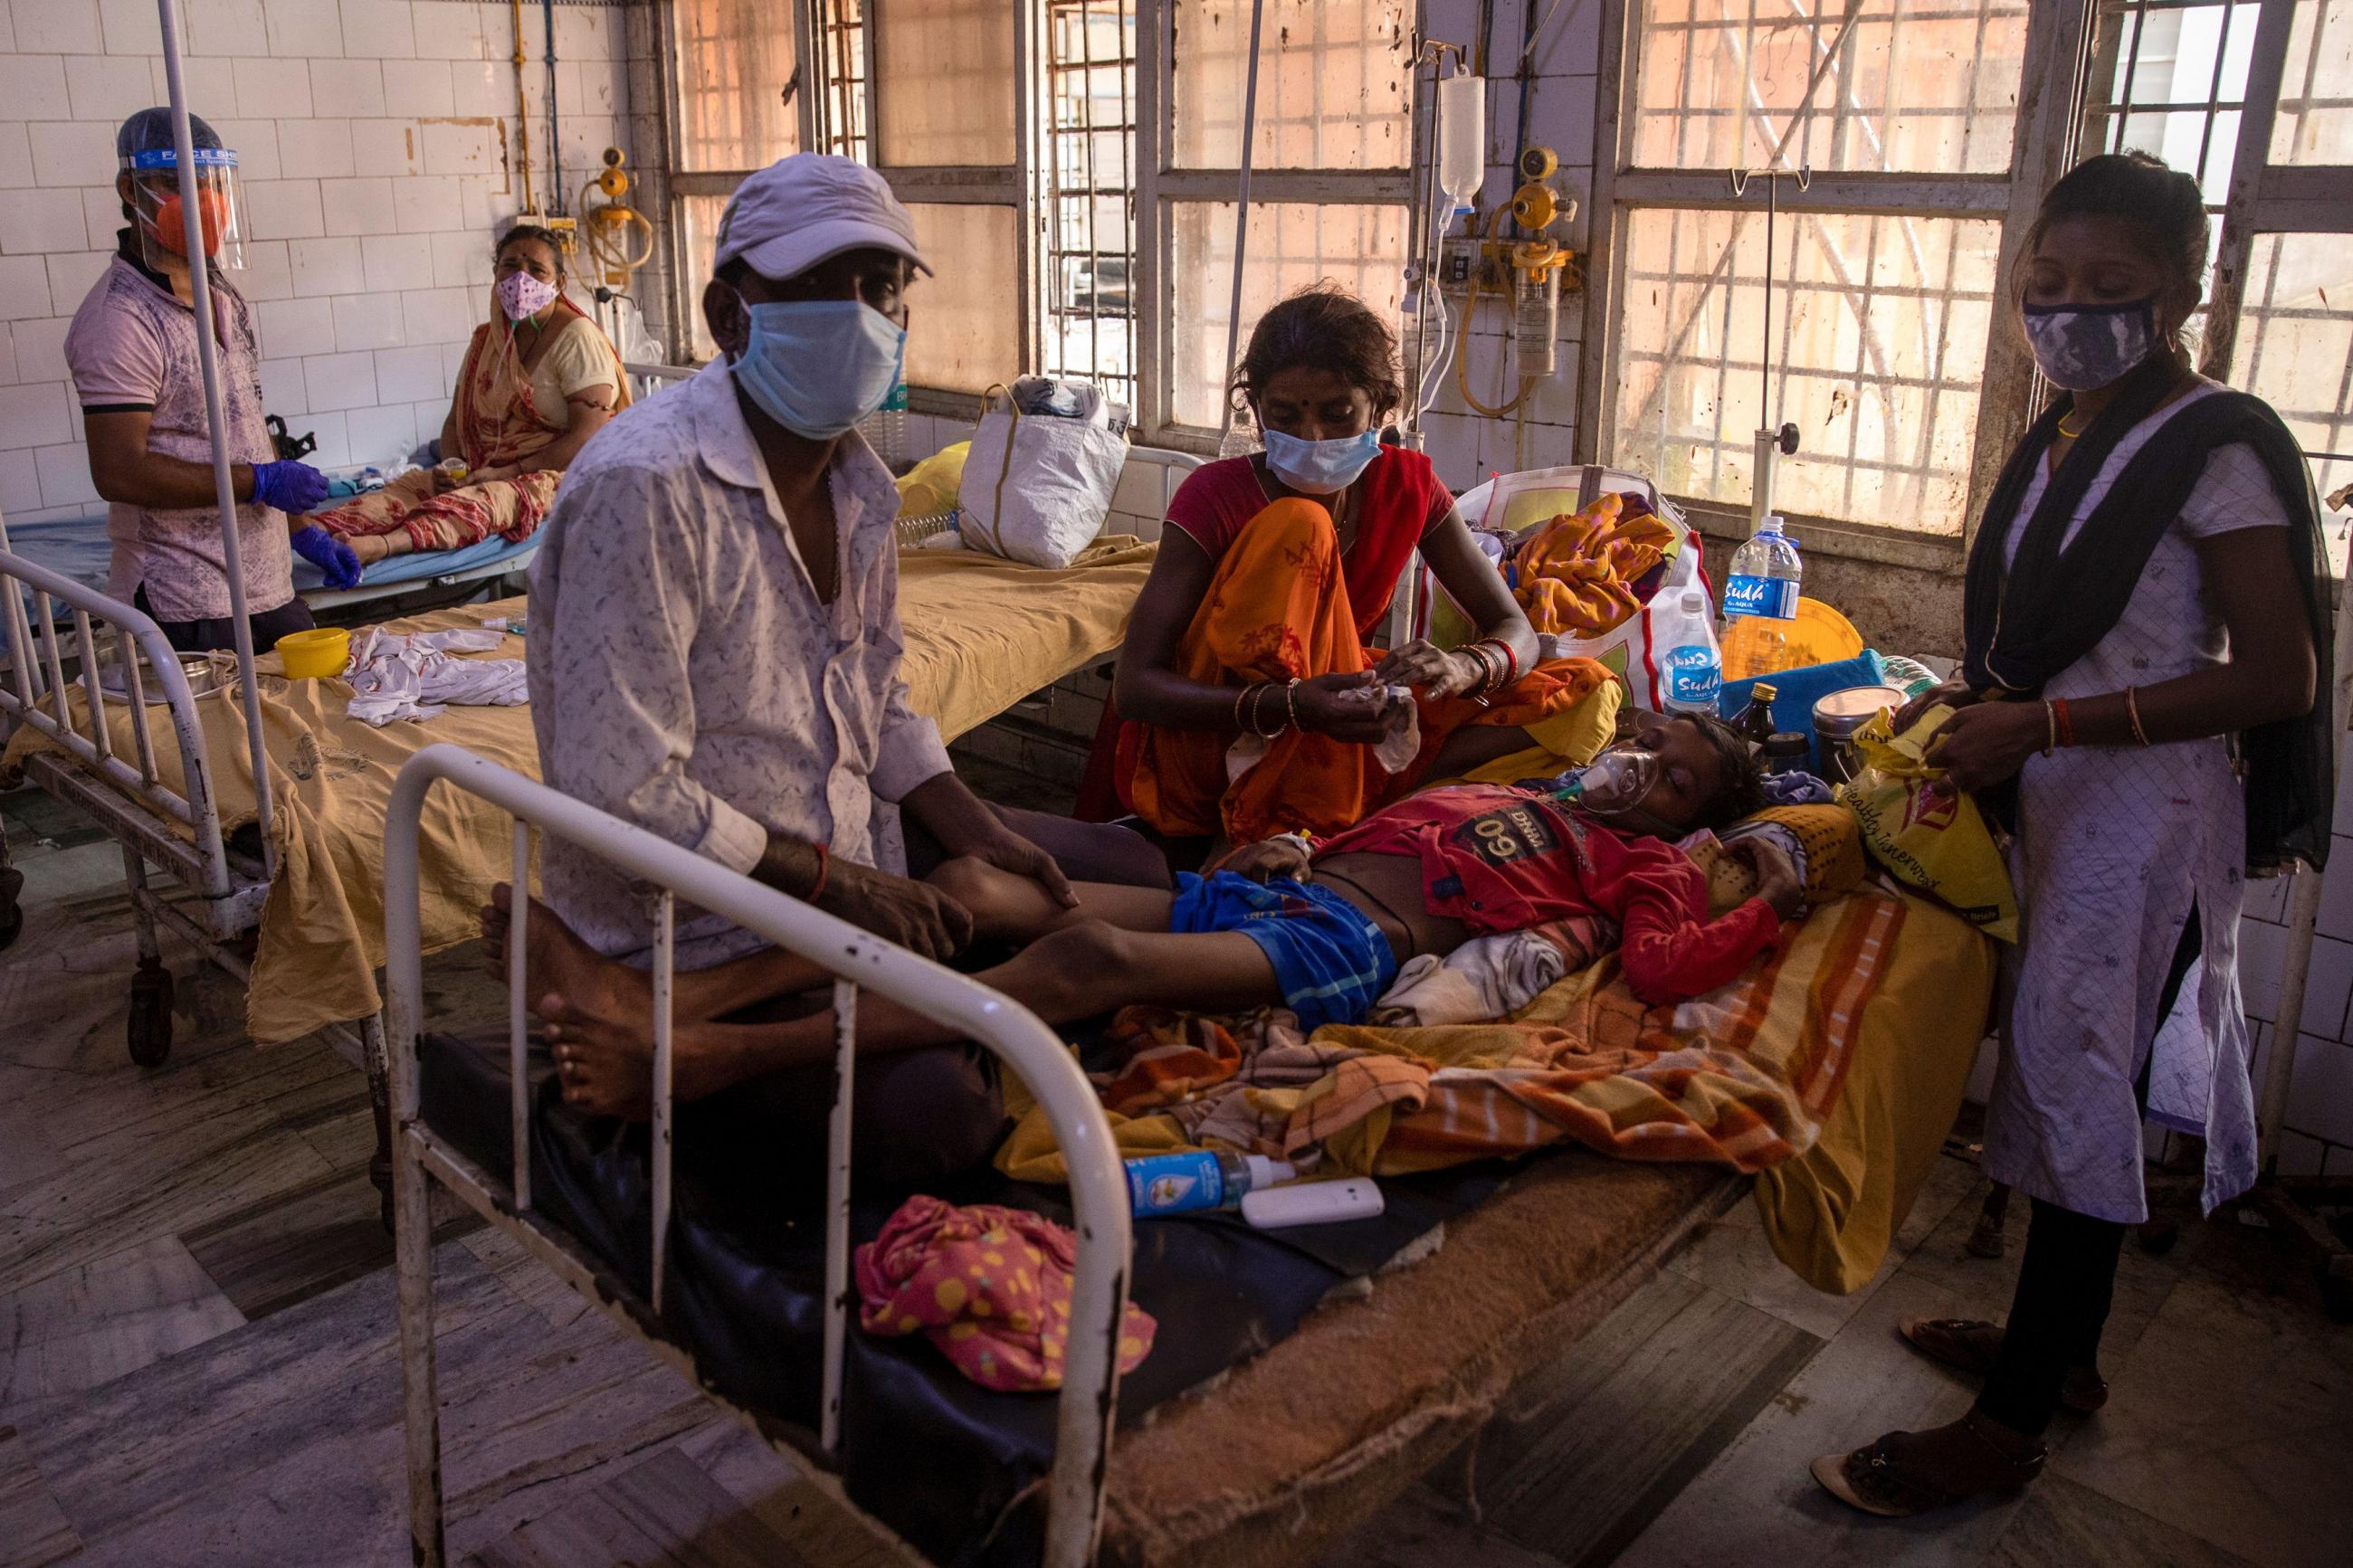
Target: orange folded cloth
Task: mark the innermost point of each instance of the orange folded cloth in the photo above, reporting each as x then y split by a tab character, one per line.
1578	571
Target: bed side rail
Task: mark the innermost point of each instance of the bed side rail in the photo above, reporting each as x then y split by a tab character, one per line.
39	695
857	959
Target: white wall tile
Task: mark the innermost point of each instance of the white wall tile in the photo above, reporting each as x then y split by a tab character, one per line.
368	322
461	148
453	359
474	202
59	27
210	86
269	274
383	433
2336	893
582	34
340	380
398	261
481	87
72	275
293	328
65	475
25	288
303	27
417	87
440	315
357	207
41	349
326	266
16	156
271	90
410	375
42	220
131	28
20	483
66	154
2266	898
283	209
9	376
33	86
314	149
2300	1156
386	147
2328	987
334	450
461	260
450	33
426	204
255	142
380	29
35	414
352	88
2320	1094
282	389
225	27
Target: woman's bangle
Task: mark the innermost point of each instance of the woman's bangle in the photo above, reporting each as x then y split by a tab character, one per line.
2051	728
824	866
1510	660
1240	697
1290	704
2132	712
2066	725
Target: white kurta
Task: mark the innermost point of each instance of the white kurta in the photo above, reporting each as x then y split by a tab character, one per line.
2117	844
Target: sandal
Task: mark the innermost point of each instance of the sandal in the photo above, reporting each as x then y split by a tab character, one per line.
1970	1344
1878	1481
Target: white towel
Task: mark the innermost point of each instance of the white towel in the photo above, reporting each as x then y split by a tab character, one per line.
395	677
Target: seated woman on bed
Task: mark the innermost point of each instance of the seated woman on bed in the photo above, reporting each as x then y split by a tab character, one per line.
538	380
1275	569
1321	932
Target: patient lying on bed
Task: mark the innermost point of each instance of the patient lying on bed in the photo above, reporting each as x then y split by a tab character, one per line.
1321	930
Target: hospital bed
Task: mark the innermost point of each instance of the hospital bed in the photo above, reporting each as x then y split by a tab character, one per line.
1298	1380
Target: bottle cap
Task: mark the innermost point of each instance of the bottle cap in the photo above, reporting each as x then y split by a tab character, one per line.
1266	1173
1695	602
1764	691
1773	523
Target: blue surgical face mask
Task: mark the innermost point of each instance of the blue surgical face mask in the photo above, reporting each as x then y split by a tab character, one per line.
819	367
2081	347
1321	467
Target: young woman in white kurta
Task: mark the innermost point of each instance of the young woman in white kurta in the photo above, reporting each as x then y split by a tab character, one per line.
2131	817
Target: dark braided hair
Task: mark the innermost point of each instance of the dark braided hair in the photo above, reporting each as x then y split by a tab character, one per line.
1323	327
2164	205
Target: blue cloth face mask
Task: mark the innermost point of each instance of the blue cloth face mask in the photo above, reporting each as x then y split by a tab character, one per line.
819	367
1321	467
2081	347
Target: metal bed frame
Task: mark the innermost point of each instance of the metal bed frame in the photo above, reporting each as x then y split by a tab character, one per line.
857	959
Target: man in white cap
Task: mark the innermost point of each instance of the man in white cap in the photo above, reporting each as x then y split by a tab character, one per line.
714	625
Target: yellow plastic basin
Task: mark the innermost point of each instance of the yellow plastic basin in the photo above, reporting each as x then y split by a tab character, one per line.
1821	636
316	654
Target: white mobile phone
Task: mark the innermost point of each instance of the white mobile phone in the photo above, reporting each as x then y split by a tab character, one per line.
1312	1202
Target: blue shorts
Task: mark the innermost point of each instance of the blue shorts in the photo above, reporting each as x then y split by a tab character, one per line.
1330	959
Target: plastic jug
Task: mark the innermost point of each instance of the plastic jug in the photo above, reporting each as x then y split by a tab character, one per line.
1760	604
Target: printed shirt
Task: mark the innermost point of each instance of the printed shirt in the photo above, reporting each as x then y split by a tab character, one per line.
684	674
1502	860
1403	499
132	349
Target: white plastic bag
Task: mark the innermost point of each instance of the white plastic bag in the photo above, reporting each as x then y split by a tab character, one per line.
1038	486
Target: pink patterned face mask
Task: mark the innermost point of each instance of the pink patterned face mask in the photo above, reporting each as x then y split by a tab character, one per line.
521	295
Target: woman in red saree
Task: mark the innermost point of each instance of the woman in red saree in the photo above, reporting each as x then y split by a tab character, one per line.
538	380
1251	702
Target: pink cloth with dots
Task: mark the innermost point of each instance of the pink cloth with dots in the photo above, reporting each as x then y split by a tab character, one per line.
991	1285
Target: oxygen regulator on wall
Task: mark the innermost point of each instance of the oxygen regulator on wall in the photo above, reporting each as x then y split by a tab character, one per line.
1528	272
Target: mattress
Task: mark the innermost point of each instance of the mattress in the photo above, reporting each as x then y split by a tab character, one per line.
979	633
76	547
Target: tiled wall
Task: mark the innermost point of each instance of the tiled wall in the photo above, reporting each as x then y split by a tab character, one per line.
376	141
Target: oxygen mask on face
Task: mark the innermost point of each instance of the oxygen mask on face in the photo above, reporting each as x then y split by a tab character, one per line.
1614	783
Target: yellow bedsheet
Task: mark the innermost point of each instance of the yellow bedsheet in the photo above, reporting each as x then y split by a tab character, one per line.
980	633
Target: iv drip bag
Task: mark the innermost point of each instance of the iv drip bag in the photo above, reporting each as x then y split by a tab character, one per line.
1462	135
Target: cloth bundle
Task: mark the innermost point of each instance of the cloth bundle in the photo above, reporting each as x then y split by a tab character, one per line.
991	1285
1490	976
1579	572
415	676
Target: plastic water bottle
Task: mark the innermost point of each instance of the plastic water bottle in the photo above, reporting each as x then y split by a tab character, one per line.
885	430
1693	675
1760	604
1197	1179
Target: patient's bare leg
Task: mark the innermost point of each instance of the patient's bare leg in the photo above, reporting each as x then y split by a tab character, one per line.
1074	972
559	963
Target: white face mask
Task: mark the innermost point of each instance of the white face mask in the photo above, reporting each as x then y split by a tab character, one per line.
1321	467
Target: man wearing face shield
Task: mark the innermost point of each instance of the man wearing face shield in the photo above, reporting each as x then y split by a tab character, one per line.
133	355
714	629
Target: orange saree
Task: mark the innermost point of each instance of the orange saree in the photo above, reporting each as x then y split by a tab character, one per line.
1276	609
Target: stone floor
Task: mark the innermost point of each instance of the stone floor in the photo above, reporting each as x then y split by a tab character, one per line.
197	1366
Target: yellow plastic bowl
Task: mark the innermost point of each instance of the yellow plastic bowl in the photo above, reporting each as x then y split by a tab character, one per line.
1822	635
316	654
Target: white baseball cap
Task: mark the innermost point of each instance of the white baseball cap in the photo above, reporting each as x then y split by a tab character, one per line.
801	210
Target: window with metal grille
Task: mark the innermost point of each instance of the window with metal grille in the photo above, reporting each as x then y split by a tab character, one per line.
840	61
1089	190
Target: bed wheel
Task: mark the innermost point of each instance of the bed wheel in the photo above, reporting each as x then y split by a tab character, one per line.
12	914
151	1015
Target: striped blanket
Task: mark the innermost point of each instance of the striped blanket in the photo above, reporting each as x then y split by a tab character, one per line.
1743	1077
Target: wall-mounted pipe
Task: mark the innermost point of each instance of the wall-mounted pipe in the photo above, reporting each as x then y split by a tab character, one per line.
523	116
555	200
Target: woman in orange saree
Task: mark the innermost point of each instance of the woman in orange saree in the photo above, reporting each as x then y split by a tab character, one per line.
539	379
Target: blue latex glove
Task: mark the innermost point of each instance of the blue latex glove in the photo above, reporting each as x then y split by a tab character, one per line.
330	555
289	487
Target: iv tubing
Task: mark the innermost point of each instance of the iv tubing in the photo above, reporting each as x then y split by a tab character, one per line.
224	486
1242	212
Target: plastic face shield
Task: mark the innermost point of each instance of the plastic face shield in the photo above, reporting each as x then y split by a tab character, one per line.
155	199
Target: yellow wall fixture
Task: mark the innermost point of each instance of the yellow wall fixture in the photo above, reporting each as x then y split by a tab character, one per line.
617	237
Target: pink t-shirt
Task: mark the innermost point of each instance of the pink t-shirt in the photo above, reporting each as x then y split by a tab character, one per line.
133	348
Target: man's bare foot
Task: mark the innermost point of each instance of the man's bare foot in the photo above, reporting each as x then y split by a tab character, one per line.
556	961
607	1067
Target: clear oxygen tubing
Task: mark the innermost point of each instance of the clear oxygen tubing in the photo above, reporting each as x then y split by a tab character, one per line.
1242	214
224	485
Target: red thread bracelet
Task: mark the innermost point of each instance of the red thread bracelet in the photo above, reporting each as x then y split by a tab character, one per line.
824	866
2066	725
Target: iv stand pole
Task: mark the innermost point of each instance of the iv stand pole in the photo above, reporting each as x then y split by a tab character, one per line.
1771	443
1242	223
